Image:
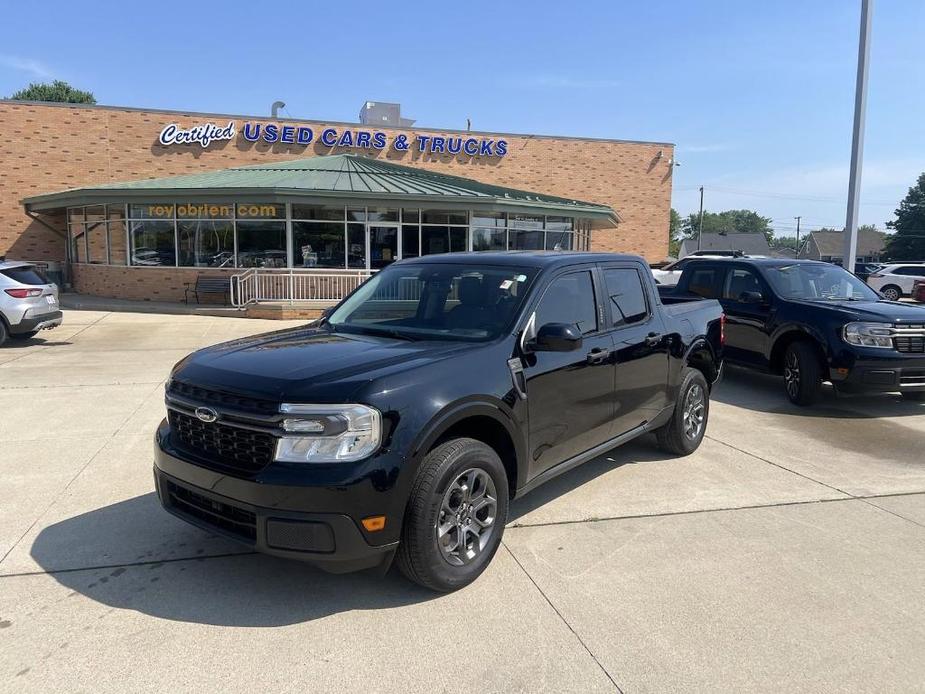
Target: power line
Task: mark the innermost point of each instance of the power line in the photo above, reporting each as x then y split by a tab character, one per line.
782	196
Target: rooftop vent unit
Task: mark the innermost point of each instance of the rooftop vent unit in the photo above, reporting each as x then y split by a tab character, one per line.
383	113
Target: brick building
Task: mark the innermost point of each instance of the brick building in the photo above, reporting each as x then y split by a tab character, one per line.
139	202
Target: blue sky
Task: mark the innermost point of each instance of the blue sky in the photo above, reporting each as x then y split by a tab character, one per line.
757	96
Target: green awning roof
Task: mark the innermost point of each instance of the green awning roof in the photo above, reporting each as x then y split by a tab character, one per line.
339	177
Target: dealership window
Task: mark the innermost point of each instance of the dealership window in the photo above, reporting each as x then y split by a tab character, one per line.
489	239
261	244
319	244
356	245
206	242
152	242
442	239
410	241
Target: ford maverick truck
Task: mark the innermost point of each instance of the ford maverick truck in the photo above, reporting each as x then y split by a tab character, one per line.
402	424
811	322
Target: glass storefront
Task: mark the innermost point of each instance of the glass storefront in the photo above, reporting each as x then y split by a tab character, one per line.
270	235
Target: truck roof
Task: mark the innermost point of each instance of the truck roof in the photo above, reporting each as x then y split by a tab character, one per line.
765	262
538	259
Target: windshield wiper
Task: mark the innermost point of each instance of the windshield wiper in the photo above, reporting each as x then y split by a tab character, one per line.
387	332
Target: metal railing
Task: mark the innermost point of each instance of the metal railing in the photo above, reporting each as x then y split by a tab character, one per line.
294	285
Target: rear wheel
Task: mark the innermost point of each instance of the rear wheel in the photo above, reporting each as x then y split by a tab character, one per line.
4	333
688	424
25	336
455	517
891	293
914	395
802	373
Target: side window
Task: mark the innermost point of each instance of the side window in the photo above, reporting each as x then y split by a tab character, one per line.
704	282
569	299
740	281
910	270
627	296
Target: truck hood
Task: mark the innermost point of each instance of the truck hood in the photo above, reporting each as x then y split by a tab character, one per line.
306	364
873	311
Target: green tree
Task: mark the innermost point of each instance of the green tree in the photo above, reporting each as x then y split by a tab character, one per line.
908	241
56	91
674	232
787	242
728	222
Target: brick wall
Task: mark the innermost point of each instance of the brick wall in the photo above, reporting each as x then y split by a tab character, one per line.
48	148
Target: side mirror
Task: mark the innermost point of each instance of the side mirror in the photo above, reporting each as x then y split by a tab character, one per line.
557	337
751	298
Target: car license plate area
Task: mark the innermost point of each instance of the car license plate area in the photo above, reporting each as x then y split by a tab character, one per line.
51	299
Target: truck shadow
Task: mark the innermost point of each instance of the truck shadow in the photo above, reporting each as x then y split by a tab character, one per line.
197	577
765	393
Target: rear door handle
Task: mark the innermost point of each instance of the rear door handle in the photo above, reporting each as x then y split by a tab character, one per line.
653	339
598	355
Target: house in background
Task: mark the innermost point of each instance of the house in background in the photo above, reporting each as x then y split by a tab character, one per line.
828	246
749	244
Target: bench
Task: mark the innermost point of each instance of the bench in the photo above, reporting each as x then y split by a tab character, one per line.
206	284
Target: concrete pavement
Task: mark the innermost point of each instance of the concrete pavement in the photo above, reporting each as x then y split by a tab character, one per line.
787	553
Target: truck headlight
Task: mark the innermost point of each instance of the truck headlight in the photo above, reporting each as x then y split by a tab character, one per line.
869	335
328	433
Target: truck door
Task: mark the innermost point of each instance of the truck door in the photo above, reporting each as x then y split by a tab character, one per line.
569	394
640	347
747	301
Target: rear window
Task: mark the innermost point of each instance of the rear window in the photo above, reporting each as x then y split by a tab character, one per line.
703	282
25	274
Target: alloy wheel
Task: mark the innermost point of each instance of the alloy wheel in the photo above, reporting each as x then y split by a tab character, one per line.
891	294
467	517
792	374
694	409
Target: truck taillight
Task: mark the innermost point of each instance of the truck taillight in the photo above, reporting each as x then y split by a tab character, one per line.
23	293
722	329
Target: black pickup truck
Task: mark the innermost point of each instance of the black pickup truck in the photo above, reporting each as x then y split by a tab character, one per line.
811	322
406	420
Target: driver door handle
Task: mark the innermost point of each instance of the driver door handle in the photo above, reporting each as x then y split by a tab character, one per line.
653	339
598	355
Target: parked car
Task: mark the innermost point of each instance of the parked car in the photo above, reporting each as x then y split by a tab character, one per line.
812	322
918	290
669	274
28	301
865	270
444	386
895	281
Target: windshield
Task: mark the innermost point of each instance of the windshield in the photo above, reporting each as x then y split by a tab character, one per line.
819	281
436	301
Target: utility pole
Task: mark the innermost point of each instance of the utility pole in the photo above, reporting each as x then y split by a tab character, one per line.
700	231
798	234
857	139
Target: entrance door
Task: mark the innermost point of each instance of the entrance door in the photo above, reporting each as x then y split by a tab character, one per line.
383	245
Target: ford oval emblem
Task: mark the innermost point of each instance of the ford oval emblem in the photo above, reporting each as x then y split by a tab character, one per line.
206	414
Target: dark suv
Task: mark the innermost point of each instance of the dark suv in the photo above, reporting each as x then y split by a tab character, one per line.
441	388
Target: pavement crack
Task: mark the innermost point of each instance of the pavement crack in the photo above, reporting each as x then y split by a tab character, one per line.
149	562
562	617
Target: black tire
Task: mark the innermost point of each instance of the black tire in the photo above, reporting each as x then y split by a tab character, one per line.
430	561
891	292
688	424
914	395
802	373
4	333
24	336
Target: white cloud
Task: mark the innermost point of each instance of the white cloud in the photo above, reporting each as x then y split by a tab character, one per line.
34	67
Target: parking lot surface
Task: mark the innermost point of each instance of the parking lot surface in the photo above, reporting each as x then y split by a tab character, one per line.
787	553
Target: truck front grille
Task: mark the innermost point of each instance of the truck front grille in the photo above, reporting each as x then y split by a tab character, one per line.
227	400
228	517
910	344
234	448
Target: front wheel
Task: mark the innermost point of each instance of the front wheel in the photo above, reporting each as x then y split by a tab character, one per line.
455	516
688	424
891	293
802	373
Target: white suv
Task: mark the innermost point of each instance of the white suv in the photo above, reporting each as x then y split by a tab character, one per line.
28	301
896	280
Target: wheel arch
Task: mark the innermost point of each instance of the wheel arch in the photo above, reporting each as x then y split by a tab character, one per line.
788	337
484	421
701	356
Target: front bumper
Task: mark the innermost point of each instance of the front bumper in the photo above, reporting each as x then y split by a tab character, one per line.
43	321
315	524
876	374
